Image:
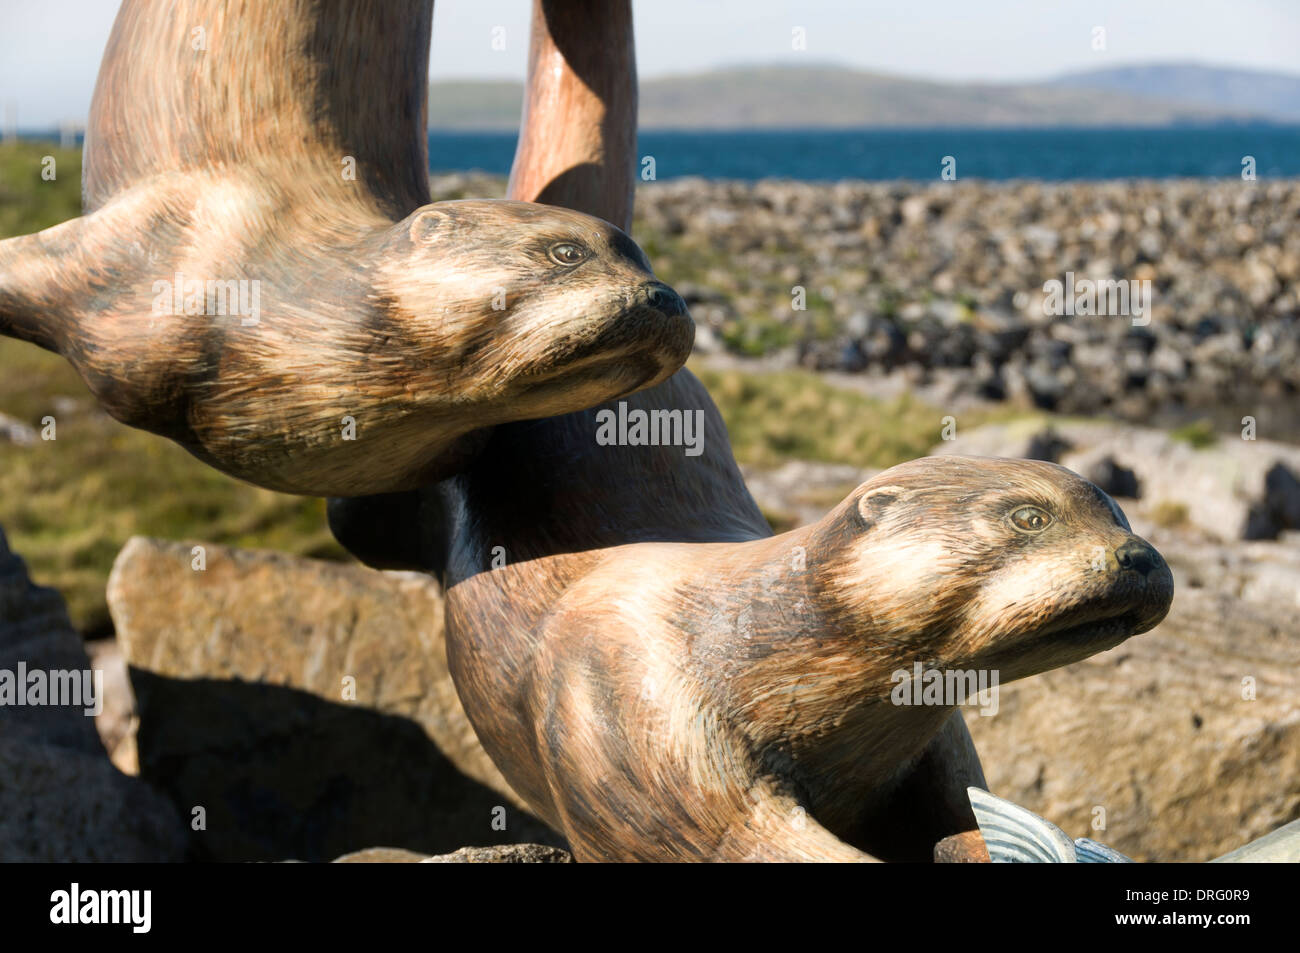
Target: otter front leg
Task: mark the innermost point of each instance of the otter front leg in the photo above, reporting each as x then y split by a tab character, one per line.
929	802
639	766
779	829
662	814
84	289
41	284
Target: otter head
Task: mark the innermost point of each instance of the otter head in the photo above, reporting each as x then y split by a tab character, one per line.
521	311
1017	566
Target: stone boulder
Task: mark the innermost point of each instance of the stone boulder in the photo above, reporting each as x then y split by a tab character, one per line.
16	432
1279	509
302	708
117	722
1113	478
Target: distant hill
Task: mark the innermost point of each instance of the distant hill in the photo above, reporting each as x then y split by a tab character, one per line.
1274	94
470	104
829	96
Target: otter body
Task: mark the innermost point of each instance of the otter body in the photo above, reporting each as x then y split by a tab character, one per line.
318	358
261	275
732	701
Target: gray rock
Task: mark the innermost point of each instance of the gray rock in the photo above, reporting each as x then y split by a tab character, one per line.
1046	445
516	854
60	797
1279	509
1045	386
117	723
16	432
1112	478
35	633
61	804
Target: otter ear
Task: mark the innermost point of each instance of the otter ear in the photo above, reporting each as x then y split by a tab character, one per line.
873	503
426	224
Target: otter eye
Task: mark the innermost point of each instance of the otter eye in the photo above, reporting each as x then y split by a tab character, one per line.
567	253
1030	519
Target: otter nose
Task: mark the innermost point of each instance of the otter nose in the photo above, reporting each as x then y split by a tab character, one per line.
1138	556
663	299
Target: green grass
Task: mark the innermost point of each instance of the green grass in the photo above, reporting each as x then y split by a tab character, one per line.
783	415
757	337
1198	434
29	203
1169	514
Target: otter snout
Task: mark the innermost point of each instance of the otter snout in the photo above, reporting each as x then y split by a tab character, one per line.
1139	556
659	297
1154	582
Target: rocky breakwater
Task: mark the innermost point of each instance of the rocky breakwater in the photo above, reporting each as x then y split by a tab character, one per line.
947	286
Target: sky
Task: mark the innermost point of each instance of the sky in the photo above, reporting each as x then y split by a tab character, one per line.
50	49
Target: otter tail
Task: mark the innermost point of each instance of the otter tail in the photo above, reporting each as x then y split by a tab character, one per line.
50	279
27	302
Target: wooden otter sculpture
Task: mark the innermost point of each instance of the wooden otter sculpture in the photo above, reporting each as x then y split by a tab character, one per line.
660	678
261	277
739	701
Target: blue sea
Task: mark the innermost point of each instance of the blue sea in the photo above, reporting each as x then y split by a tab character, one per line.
1056	154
